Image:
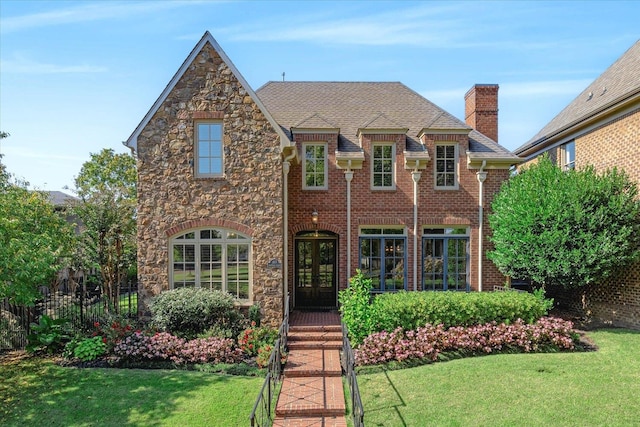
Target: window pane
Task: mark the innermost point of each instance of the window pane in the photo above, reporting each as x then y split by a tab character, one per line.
204	166
203	131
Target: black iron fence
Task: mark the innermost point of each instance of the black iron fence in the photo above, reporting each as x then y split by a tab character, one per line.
348	366
263	410
81	305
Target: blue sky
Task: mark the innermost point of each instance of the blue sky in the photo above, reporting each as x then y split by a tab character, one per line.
77	77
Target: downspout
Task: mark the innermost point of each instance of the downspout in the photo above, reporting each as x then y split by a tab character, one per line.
482	175
348	176
286	166
415	176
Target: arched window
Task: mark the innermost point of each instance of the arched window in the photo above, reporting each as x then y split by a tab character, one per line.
211	258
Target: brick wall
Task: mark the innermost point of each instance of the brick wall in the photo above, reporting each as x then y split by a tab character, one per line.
481	109
393	207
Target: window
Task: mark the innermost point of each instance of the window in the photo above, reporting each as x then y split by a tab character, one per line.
446	166
383	257
315	167
569	156
383	166
209	154
445	255
216	259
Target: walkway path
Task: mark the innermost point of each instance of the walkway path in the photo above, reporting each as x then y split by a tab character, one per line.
312	393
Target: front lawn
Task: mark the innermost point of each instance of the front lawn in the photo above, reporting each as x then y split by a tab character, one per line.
560	389
37	392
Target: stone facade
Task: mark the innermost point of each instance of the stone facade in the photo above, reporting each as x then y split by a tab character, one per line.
248	199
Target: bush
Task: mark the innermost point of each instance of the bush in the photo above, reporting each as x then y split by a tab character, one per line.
48	335
190	311
355	307
411	310
253	338
112	330
428	342
90	349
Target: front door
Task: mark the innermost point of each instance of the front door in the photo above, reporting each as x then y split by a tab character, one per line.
315	272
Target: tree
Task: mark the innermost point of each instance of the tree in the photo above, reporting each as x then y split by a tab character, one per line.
569	228
106	186
35	241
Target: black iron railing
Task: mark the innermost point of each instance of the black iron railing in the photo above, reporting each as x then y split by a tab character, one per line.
348	366
82	306
264	408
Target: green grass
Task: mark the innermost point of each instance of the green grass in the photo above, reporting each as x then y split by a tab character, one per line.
36	392
599	388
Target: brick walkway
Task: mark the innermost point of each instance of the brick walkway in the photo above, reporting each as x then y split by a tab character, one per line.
312	393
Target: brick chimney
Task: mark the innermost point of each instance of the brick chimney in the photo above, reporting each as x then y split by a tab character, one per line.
481	109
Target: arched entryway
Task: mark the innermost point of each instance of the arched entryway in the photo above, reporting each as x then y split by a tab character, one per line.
315	275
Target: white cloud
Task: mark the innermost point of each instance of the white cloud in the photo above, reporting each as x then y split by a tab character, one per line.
26	66
88	12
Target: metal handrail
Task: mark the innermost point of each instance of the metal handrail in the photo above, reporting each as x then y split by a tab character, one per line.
347	361
261	415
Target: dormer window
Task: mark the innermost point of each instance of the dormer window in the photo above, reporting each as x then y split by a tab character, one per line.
314	163
383	166
446	166
208	151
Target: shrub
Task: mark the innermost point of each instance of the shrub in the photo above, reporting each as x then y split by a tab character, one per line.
410	310
90	349
428	342
190	311
112	330
253	338
48	335
355	307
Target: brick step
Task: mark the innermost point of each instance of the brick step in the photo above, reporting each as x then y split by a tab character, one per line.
311	397
306	345
315	328
313	363
310	422
314	336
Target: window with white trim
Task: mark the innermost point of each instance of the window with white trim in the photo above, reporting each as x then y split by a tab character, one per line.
211	258
568	155
445	259
383	257
446	166
314	167
383	166
209	152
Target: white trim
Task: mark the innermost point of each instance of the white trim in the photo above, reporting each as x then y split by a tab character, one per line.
326	166
456	156
132	141
393	166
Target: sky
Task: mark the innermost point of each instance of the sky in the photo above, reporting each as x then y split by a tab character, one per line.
78	76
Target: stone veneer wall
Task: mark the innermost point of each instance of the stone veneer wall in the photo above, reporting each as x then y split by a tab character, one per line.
248	199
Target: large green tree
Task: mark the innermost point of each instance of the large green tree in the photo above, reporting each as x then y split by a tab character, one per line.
106	186
35	241
569	228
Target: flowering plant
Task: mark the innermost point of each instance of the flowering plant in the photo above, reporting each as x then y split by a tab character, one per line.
253	338
429	341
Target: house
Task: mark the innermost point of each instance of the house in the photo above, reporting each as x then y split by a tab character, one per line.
600	127
294	186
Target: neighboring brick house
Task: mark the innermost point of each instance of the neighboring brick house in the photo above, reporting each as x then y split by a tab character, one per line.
293	187
601	127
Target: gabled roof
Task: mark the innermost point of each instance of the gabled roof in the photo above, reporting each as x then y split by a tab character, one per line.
619	84
353	106
315	121
132	141
58	198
